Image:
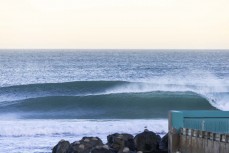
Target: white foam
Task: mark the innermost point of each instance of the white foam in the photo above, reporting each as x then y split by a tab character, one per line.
42	135
10	128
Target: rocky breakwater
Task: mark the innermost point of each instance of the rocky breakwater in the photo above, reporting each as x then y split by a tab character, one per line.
145	142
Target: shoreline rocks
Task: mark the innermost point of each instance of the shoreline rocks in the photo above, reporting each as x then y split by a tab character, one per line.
145	142
119	142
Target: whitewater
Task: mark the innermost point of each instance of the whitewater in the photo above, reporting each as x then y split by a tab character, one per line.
48	95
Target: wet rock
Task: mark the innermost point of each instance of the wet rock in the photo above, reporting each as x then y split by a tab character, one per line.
101	149
90	142
147	142
117	142
126	150
85	145
76	148
61	147
164	143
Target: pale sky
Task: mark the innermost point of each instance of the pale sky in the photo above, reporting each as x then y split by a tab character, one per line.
127	24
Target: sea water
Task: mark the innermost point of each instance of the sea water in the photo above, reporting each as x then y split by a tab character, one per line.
49	95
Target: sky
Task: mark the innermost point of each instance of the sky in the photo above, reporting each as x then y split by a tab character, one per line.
114	24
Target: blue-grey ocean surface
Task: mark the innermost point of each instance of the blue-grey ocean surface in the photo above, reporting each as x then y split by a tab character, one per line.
48	95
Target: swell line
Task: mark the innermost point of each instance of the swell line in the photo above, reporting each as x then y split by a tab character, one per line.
110	106
13	94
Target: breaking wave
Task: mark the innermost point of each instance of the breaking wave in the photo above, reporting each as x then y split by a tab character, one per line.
105	99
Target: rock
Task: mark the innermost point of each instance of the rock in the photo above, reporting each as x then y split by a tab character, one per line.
101	149
106	147
76	148
76	142
91	142
147	141
81	146
158	139
126	150
85	145
118	142
164	143
61	147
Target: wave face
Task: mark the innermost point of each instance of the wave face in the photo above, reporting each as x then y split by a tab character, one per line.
99	100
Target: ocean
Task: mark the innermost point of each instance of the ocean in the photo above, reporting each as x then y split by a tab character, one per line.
49	95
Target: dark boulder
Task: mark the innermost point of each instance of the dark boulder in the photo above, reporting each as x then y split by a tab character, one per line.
85	145
75	147
61	147
164	143
147	142
118	142
126	150
101	149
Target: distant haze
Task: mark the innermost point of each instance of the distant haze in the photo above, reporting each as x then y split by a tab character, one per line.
202	24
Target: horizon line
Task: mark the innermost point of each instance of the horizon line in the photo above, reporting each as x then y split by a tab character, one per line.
114	49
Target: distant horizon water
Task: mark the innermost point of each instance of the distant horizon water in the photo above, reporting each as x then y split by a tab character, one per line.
121	49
